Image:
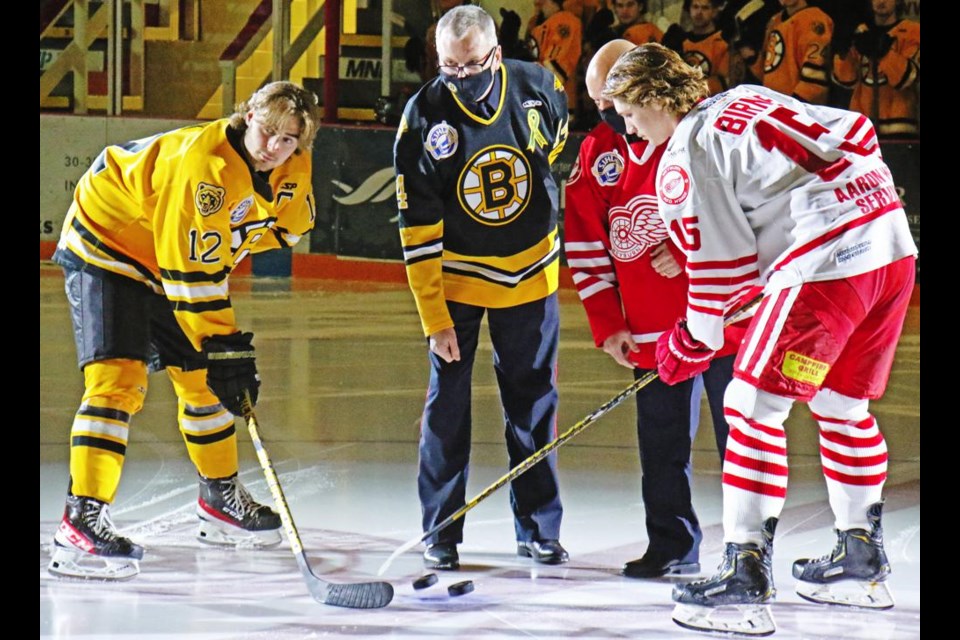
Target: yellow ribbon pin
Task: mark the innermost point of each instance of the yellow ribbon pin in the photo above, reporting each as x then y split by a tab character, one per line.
536	138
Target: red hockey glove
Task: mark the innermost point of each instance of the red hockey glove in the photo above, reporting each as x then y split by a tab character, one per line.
681	357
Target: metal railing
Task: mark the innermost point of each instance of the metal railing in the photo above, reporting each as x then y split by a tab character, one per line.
269	15
124	53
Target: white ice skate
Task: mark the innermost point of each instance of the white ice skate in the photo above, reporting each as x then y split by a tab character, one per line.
735	620
854	574
230	516
736	600
851	593
87	546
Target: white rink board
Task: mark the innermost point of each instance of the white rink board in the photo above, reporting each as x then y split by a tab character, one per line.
69	144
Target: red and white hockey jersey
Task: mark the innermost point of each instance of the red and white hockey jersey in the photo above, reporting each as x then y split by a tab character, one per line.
611	225
759	188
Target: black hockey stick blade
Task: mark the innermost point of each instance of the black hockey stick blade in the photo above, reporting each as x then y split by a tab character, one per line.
358	595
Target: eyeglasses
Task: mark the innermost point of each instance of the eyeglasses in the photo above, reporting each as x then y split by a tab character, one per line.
466	69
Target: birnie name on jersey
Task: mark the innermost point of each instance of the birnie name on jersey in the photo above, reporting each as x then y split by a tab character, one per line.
734	119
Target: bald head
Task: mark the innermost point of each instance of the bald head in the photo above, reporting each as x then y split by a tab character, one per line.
600	65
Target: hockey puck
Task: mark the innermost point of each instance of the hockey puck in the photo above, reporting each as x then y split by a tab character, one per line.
425	581
460	588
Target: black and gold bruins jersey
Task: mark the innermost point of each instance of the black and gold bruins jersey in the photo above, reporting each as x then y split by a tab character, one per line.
177	211
478	204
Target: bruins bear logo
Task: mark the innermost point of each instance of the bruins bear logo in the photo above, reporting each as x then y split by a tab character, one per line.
495	185
776	49
696	59
209	198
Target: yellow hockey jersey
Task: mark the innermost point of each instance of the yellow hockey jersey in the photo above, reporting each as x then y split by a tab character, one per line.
177	211
794	61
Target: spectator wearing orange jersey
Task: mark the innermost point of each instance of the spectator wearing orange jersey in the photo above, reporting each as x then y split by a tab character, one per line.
796	46
703	46
880	62
556	44
631	24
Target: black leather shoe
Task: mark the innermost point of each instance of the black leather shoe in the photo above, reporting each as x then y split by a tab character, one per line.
442	556
650	566
543	551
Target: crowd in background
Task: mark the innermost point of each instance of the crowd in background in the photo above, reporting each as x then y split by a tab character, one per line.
857	54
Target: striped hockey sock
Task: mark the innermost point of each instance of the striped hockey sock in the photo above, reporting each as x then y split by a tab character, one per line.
755	466
853	453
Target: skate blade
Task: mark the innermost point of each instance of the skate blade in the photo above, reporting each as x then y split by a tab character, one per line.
80	565
732	620
848	593
225	535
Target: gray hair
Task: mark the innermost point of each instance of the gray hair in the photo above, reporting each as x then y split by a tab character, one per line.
460	20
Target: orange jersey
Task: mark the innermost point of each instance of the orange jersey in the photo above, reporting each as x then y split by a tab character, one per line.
583	9
794	61
642	33
896	113
711	54
558	46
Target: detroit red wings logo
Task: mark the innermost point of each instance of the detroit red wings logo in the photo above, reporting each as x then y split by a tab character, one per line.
674	184
635	228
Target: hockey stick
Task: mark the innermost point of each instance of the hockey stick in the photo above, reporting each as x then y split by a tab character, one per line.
539	455
361	595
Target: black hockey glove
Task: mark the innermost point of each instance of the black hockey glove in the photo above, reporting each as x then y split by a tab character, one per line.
749	26
232	370
841	41
873	43
674	38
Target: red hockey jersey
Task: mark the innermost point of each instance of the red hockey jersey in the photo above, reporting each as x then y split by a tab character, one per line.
611	226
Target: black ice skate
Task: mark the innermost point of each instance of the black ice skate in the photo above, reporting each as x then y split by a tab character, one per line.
735	600
86	544
230	516
854	574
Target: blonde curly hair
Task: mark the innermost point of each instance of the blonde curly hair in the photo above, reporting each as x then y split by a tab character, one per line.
274	103
652	74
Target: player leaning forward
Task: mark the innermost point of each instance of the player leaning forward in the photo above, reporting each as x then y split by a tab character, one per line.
155	228
759	187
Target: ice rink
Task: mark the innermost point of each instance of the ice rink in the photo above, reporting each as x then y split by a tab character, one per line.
344	375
